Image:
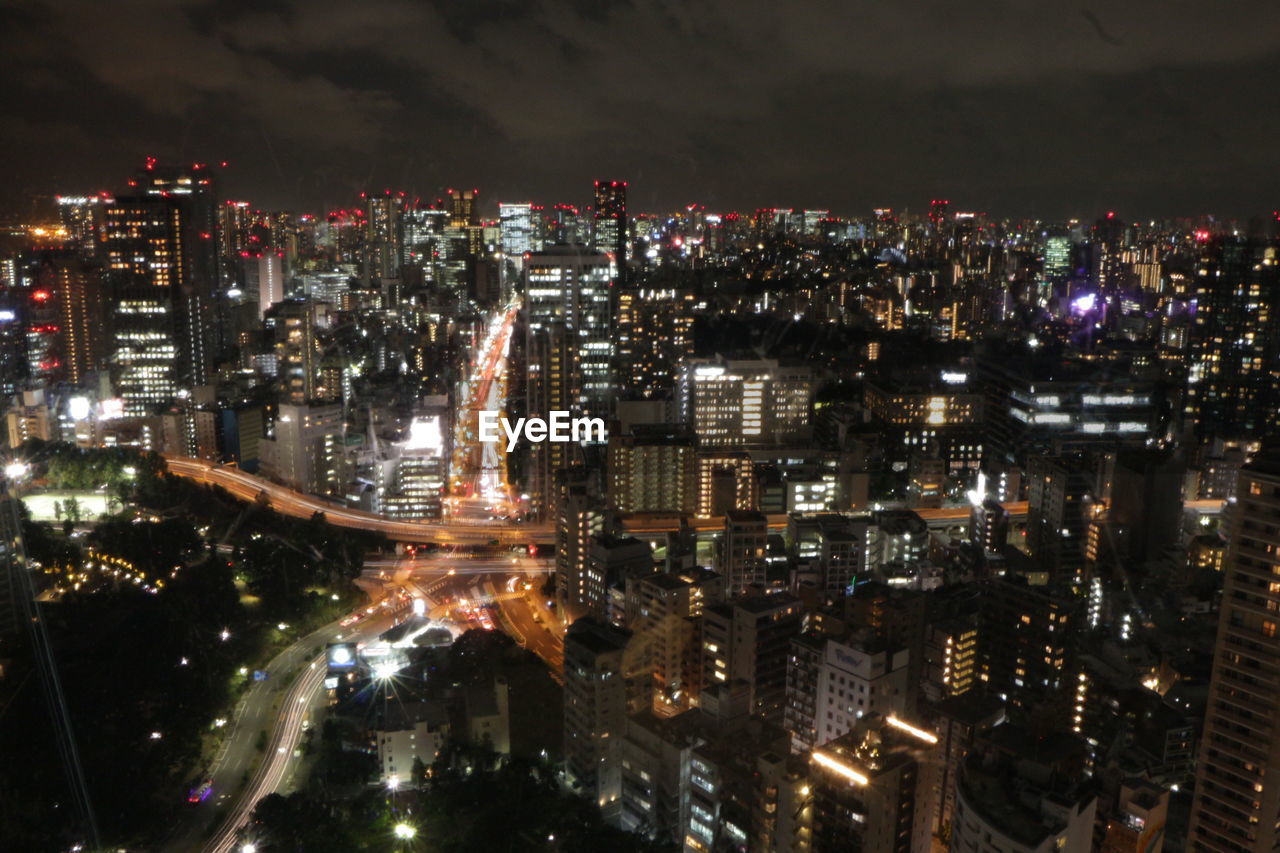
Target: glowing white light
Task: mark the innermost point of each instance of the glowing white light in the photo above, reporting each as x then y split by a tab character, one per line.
341	655
841	768
79	408
385	669
16	470
928	737
405	831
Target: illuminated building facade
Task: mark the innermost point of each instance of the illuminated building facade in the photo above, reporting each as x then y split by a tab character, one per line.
610	226
731	403
1237	799
146	264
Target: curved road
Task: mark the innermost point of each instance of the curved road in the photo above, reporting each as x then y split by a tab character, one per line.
257	711
289	502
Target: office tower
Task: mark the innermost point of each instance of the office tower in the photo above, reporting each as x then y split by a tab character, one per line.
603	684
1023	794
1237	801
516	231
235	232
610	225
1057	257
564	284
732	403
749	640
462	207
865	787
421	468
550	385
653	469
292	327
1027	643
384	237
653	335
82	218
1232	386
1040	402
664	611
263	279
305	451
1060	490
193	190
935	412
423	237
1140	495
78	290
147	269
743	549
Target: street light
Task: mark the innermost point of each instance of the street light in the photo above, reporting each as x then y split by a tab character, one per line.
248	847
16	470
405	831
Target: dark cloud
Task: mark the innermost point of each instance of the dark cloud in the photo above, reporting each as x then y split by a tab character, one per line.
1151	106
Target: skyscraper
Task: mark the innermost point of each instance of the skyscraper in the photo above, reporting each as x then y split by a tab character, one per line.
567	285
146	264
611	222
516	230
384	236
1232	384
1237	800
194	191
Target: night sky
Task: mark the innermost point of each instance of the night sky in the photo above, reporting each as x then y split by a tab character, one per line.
1153	108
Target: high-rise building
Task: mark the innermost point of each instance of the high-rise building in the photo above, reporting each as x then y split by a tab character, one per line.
664	611
384	237
305	451
1027	644
147	268
737	402
1237	799
1232	384
653	335
292	325
565	284
1059	492
64	301
194	191
653	469
516	231
579	519
610	214
603	684
421	469
82	217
